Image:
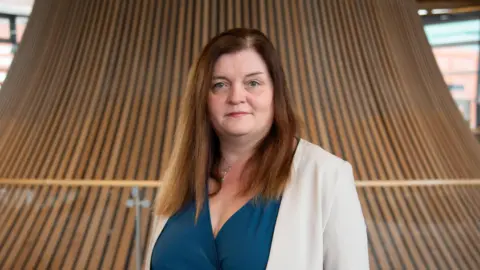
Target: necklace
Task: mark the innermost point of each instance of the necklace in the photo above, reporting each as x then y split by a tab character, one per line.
224	173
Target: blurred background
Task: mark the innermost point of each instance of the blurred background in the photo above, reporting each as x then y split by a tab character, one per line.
89	99
452	29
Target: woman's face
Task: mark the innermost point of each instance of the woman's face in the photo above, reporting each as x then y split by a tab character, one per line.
240	102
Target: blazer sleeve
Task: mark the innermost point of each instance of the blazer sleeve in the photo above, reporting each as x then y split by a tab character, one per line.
153	238
344	234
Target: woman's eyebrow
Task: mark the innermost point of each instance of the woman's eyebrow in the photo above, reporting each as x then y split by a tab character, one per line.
216	77
219	77
254	73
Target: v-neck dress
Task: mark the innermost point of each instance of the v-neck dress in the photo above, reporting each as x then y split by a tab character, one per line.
243	242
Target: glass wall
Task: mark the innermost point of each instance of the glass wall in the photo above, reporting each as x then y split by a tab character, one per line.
455	41
11	32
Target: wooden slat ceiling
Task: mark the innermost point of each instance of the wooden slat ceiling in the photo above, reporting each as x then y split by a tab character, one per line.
93	93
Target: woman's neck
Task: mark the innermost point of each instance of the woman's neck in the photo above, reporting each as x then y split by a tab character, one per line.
233	150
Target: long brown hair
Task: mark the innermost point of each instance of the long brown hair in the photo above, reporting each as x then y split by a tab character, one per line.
196	146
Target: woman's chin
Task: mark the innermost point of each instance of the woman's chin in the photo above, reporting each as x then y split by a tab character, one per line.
237	132
237	129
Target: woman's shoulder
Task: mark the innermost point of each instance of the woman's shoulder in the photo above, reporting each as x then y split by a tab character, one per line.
312	154
318	170
314	166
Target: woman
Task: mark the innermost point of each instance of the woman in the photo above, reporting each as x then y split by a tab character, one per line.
241	190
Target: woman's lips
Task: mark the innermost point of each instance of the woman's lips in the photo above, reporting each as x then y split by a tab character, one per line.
237	114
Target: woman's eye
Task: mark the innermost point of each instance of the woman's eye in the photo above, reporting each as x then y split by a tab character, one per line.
218	85
253	83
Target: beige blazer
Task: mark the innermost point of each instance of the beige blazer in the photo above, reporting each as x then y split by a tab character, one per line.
320	224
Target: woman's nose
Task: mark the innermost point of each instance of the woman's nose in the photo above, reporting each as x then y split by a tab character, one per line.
237	94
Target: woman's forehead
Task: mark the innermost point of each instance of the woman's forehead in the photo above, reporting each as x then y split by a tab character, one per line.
243	63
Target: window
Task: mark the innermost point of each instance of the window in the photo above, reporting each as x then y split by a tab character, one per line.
6	56
11	32
455	42
445	33
4	28
21	24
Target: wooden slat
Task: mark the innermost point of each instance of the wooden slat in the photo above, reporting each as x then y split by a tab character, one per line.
92	98
156	184
433	229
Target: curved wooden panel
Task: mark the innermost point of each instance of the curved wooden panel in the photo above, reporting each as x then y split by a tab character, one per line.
93	93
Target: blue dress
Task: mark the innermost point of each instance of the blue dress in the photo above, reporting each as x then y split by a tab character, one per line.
242	243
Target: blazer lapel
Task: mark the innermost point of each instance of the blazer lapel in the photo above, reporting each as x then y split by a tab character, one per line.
158	225
286	251
283	254
161	221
